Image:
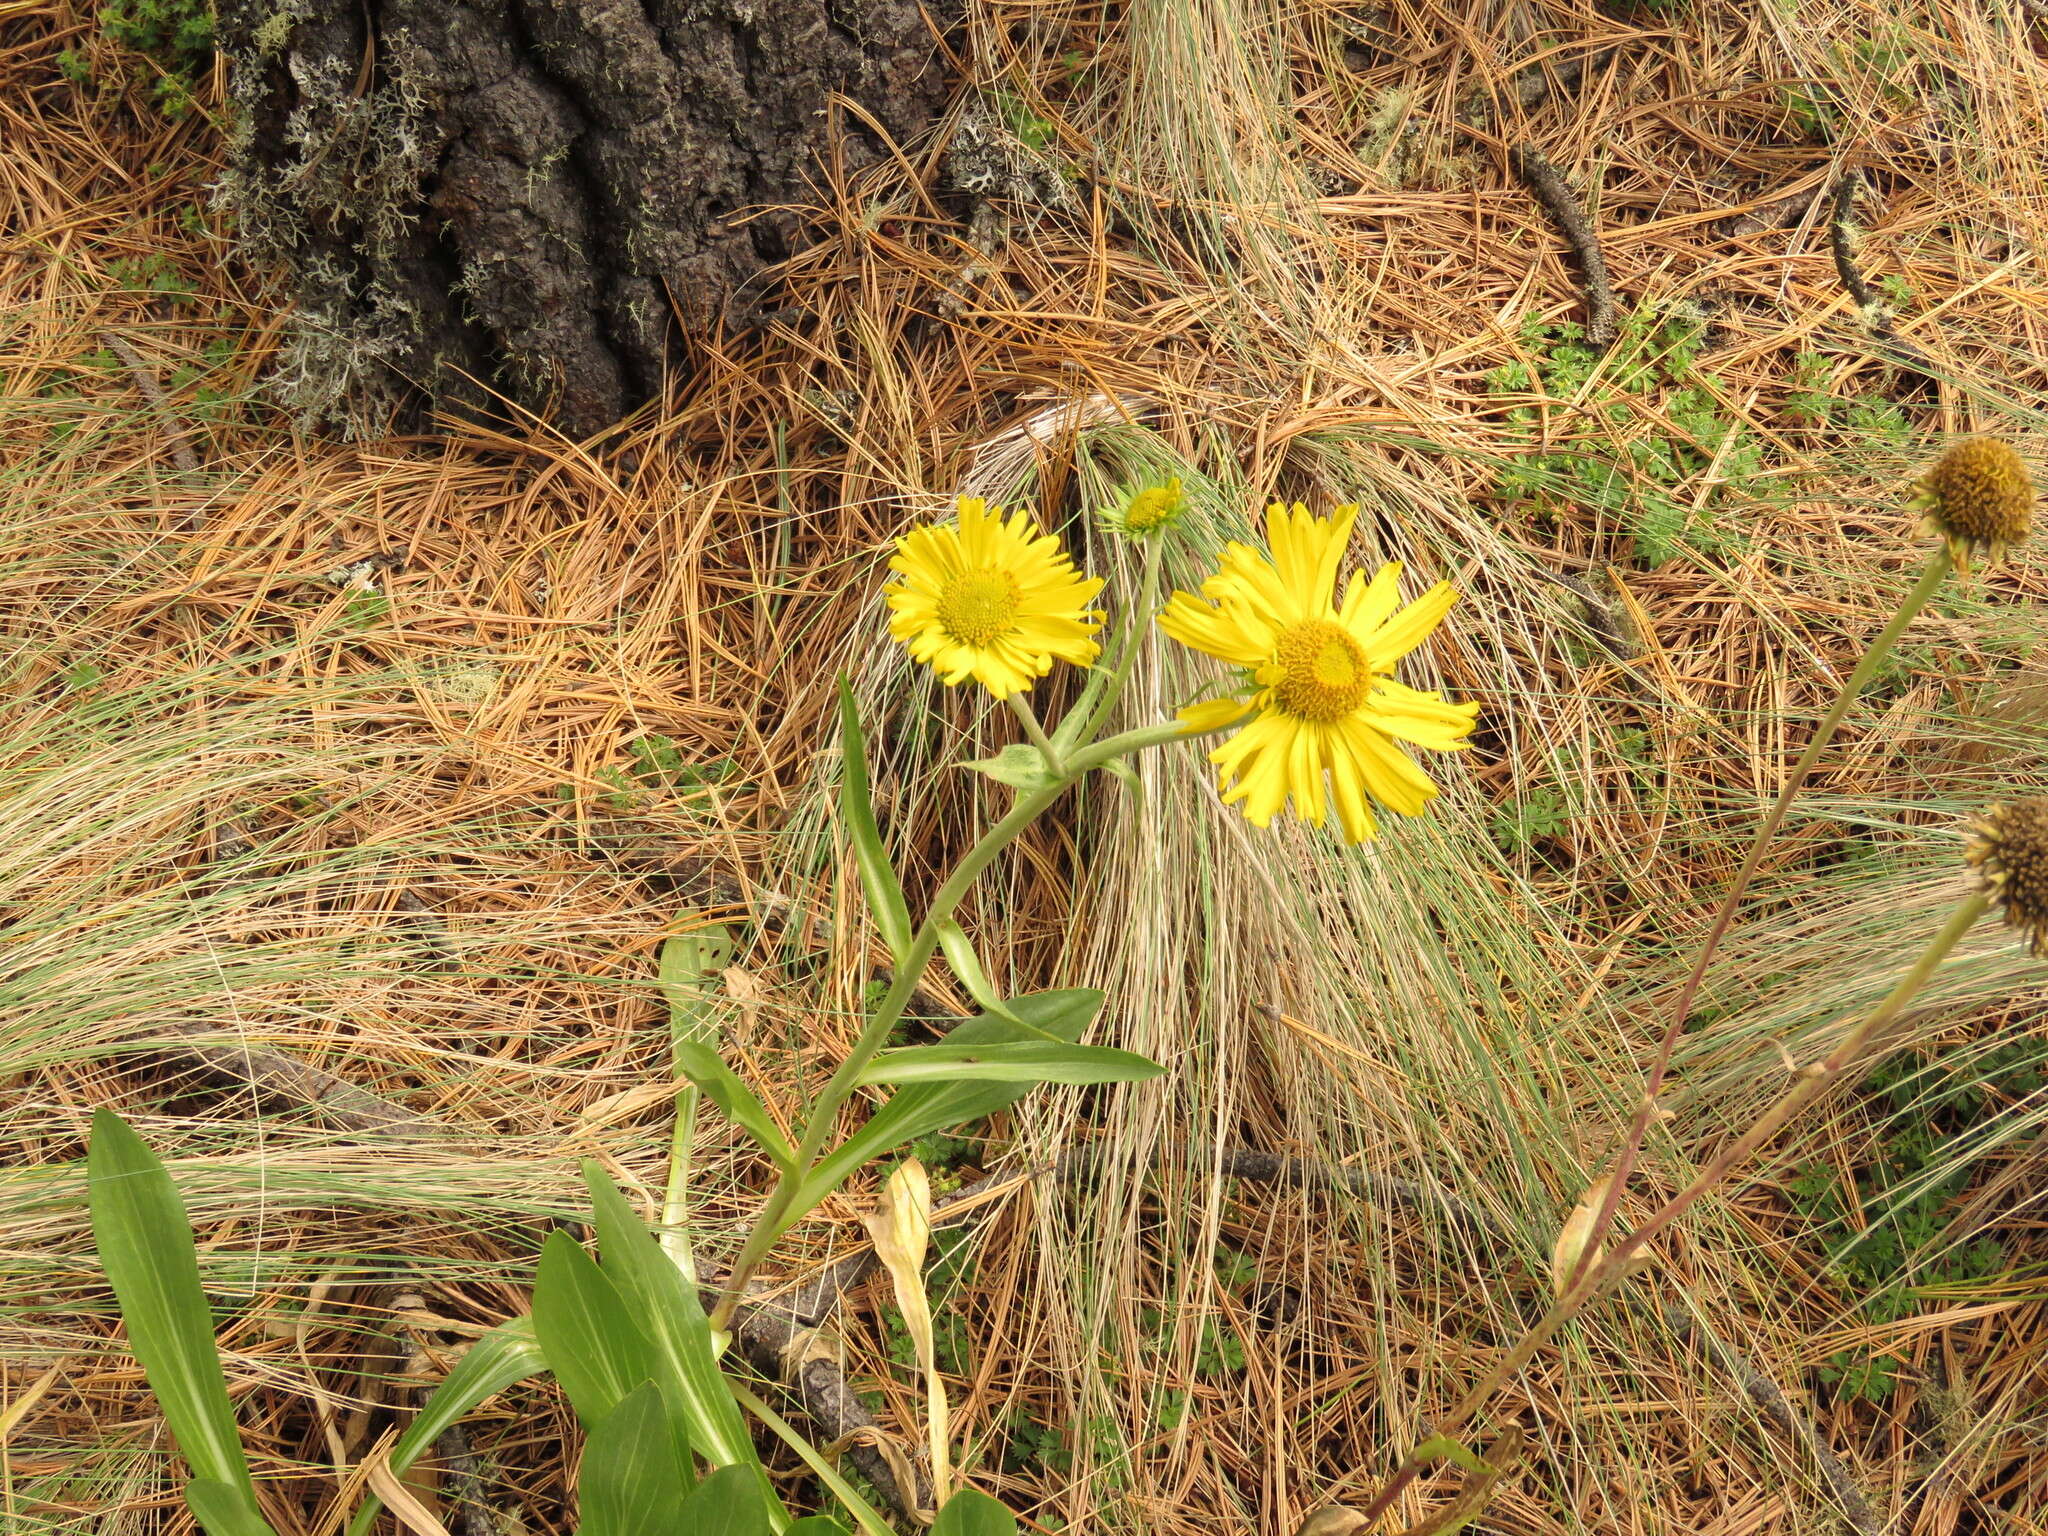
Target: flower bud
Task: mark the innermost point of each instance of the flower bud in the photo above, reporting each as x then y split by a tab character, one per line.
1148	512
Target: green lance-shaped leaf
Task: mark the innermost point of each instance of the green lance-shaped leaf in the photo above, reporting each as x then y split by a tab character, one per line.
725	1504
589	1336
818	1525
508	1353
722	1086
970	1512
877	874
966	964
632	1479
1025	1061
921	1108
145	1246
1020	765
668	1307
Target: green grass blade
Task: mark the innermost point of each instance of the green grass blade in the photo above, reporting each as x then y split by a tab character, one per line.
145	1244
865	1515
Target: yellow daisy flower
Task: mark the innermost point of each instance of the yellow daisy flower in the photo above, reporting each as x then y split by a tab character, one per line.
996	601
1325	704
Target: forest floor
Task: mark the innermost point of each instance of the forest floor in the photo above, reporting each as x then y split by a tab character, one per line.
350	788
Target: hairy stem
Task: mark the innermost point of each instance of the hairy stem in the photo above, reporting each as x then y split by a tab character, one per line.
1127	657
1937	570
1610	1268
1028	718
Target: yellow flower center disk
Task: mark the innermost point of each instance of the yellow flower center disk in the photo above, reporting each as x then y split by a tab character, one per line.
1318	671
977	606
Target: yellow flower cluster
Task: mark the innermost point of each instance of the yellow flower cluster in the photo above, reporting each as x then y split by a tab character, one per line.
1322	717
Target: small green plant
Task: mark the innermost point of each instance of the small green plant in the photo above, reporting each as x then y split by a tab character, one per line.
1531	818
658	769
176	36
1860	419
1924	1106
1649	484
154	274
1032	131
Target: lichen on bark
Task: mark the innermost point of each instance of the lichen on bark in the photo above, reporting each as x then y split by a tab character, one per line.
485	200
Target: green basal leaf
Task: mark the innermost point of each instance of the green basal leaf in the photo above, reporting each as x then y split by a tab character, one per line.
224	1510
508	1353
1026	1061
632	1478
589	1336
966	964
722	1086
145	1246
688	962
877	874
726	1503
921	1108
684	1364
970	1512
1018	765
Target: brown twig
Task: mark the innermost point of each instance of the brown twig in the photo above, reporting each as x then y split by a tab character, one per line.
1772	1403
283	1078
1842	241
1544	180
145	381
1871	309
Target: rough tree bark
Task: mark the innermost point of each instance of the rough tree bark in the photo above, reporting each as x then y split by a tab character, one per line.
537	197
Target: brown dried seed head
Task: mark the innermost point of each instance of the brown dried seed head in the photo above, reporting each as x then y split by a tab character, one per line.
2009	851
1977	496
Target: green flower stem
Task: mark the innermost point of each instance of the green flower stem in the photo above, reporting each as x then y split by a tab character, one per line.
1028	718
675	1203
1938	567
780	1209
1606	1270
1143	614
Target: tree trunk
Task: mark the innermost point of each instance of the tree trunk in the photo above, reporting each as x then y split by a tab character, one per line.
536	198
